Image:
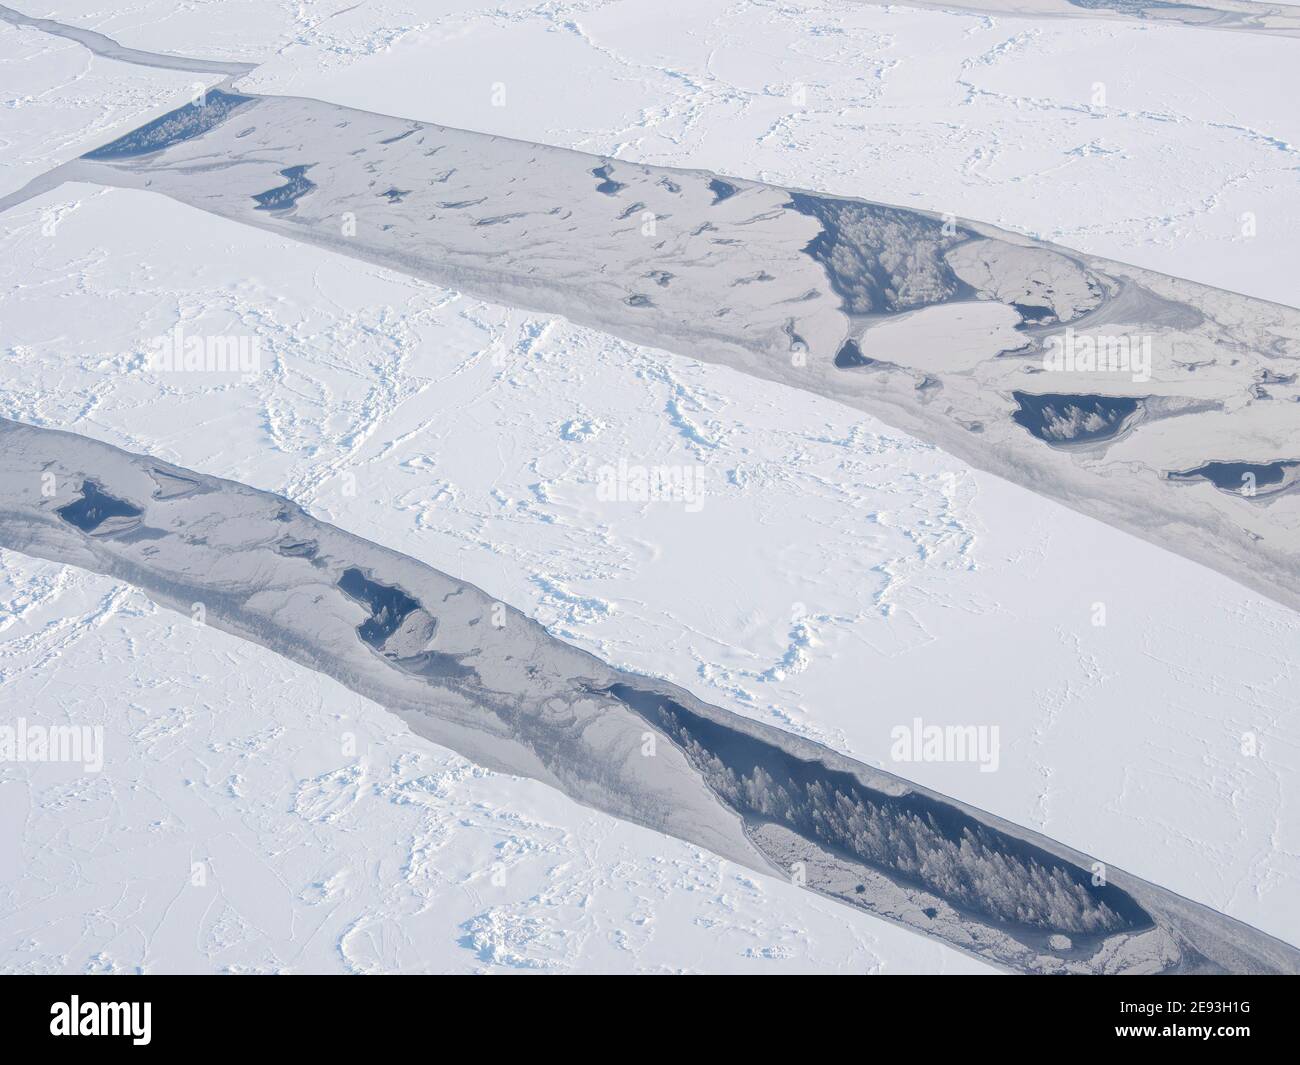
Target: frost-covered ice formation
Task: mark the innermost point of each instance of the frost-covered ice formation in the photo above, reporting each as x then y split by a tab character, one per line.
478	676
1095	383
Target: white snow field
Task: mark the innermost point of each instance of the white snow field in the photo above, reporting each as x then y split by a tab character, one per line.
835	578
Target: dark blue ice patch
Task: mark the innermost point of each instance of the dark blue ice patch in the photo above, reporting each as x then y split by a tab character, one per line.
607	185
1068	419
95	507
389	606
722	190
285	196
850	355
183	124
1031	313
1234	476
797	342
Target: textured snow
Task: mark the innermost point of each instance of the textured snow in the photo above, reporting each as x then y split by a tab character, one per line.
957	578
328	838
883	574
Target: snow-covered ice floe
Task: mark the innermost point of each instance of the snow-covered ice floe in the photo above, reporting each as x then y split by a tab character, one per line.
476	675
1164	407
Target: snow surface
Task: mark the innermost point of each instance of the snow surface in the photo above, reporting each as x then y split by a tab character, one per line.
838	576
254	816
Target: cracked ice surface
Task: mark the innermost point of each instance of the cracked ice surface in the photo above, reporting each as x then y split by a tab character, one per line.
327	838
513	698
913	609
1216	658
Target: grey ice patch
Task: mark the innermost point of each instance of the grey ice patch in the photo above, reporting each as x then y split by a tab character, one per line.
831	267
516	699
110	49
